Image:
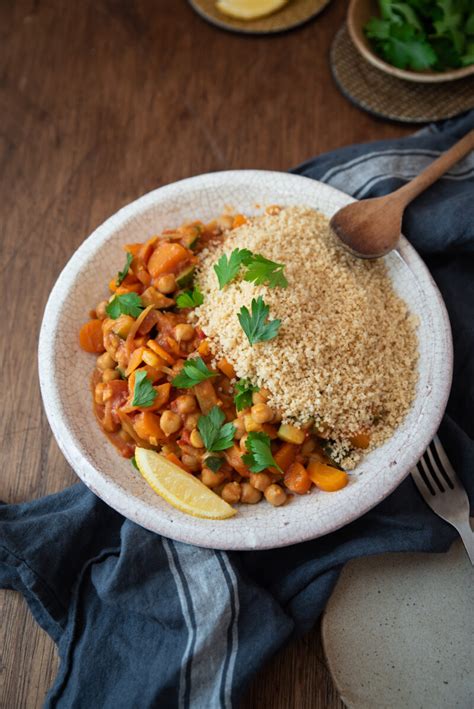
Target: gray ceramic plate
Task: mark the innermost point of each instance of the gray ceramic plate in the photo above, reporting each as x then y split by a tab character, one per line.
65	370
398	631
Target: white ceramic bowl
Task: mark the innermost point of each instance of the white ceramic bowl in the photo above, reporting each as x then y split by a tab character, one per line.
65	370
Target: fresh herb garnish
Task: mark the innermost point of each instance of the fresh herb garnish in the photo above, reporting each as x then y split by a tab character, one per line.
254	325
190	298
133	461
424	34
144	394
243	396
227	268
216	435
259	456
262	271
126	304
214	463
194	371
121	274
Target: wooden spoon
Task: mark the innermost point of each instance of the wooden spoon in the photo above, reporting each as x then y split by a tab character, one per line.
371	228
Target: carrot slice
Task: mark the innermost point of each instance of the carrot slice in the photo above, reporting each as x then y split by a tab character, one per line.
297	479
361	440
234	457
147	426
326	477
160	351
166	257
285	456
203	348
174	459
226	368
91	337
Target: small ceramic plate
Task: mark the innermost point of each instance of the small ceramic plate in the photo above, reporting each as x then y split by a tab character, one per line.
65	370
398	629
294	14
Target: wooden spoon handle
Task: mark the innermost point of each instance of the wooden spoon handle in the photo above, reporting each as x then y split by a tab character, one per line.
407	193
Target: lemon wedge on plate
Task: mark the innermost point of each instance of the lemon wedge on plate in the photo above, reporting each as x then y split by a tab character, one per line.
179	488
249	9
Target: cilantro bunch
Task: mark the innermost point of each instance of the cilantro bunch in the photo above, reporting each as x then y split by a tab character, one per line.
424	34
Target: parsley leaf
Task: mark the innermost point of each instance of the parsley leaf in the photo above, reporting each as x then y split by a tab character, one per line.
215	436
121	274
243	397
262	271
254	325
259	456
227	268
193	372
423	34
126	304
190	298
144	394
213	462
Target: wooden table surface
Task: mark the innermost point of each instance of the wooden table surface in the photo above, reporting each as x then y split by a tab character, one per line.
101	101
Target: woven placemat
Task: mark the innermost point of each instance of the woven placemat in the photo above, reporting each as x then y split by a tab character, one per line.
389	97
294	14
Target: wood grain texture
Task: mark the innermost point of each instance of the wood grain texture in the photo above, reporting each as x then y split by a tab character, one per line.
101	101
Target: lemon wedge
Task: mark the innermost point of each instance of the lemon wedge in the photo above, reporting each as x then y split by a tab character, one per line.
180	489
249	9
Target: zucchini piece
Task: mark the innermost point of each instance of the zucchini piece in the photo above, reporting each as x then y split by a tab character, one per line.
291	434
191	237
185	278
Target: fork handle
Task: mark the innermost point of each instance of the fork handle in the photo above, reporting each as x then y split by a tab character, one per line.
467	536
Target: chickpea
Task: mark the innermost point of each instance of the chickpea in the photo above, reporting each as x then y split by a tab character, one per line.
111	343
260	481
185	404
166	284
100	310
184	332
275	495
125	436
231	493
243	440
196	440
99	393
225	222
109	374
105	361
191	462
210	478
261	413
249	495
308	446
261	396
170	422
191	421
250	424
239	428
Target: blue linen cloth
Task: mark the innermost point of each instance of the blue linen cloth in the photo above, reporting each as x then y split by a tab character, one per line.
142	621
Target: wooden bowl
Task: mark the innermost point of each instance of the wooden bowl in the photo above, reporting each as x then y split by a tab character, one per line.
358	14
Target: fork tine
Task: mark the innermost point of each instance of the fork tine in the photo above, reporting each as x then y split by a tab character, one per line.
438	465
430	472
421	481
444	460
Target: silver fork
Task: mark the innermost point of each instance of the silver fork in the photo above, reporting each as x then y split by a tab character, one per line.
443	492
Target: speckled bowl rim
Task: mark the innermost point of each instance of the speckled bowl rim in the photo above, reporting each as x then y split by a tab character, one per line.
209	533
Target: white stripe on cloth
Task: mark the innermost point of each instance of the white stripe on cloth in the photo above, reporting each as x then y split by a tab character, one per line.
212	629
355	175
187	619
234	637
